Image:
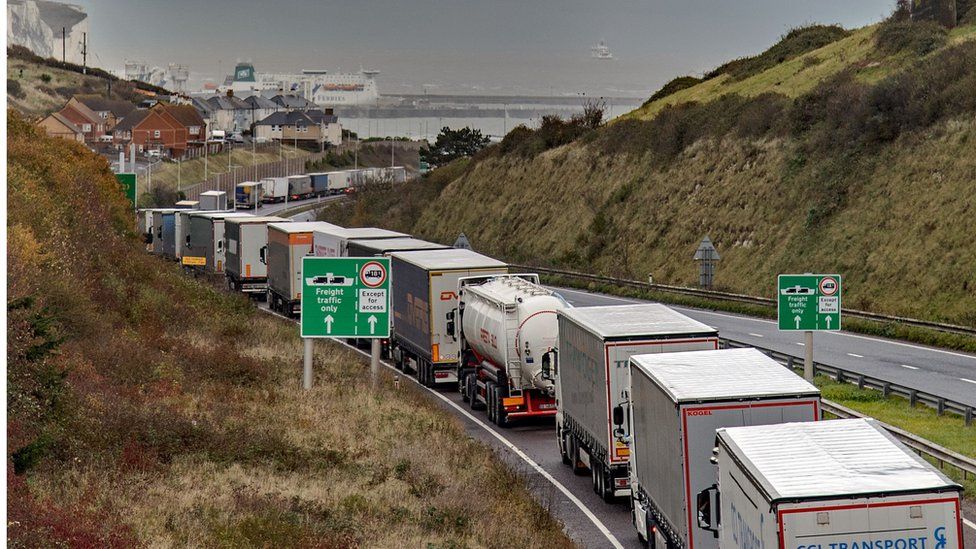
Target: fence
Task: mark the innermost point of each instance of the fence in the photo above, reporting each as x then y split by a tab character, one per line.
238	174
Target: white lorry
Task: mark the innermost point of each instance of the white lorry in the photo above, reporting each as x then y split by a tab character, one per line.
247	254
274	189
677	401
844	484
334	242
288	243
506	325
589	366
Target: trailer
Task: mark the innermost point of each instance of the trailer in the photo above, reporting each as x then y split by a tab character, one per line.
156	225
334	242
247	248
339	181
247	195
506	325
425	285
205	241
384	246
846	483
275	189
181	228
168	237
213	201
320	183
288	243
300	187
188	204
677	401
589	366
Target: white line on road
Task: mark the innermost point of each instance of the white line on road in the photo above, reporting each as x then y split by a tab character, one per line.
909	367
801	344
855	356
969	523
756	335
967	380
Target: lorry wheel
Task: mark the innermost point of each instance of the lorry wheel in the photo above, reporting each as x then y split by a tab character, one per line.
564	448
473	392
501	418
463	387
595	476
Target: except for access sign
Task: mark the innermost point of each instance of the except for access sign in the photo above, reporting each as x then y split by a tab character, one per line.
345	297
809	302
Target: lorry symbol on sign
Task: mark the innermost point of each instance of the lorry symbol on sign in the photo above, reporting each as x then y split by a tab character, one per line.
797	290
373	274
328	280
828	286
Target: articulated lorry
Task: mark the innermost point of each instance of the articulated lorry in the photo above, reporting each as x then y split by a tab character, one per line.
334	242
384	246
274	189
507	324
288	243
677	401
247	254
590	368
214	201
300	187
843	484
247	195
205	241
425	294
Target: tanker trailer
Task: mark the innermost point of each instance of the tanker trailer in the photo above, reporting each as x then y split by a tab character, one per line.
506	324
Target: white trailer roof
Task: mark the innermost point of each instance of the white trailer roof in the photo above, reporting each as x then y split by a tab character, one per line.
212	193
635	320
380	245
725	374
360	232
303	227
829	458
258	219
248	184
219	215
448	259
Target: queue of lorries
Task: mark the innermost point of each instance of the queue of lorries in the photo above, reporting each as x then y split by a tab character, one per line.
251	194
712	447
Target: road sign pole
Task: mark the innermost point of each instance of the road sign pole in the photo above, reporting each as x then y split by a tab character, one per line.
808	360
307	373
374	362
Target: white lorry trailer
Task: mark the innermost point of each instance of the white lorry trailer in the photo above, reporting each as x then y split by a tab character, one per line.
507	324
384	246
274	189
334	242
677	401
589	366
425	286
247	249
213	201
844	484
205	242
247	195
288	243
339	181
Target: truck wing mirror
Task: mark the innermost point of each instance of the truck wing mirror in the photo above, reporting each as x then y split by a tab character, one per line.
618	415
709	509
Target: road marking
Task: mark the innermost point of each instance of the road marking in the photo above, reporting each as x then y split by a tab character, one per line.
969	523
909	367
538	468
801	344
967	380
756	335
855	356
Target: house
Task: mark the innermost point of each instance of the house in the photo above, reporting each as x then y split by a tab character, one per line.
313	126
177	130
92	125
293	102
329	122
122	132
261	108
111	111
56	125
229	113
204	110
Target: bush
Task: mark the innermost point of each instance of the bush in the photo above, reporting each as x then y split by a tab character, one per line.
46	78
793	44
917	37
674	86
14	89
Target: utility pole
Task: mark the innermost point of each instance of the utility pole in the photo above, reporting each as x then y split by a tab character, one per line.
64	45
84	53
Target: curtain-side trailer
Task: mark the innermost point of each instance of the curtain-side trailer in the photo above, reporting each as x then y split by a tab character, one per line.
841	484
206	241
247	249
677	401
590	369
300	187
288	243
320	183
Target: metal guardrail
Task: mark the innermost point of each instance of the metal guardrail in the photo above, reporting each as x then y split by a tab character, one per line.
921	446
887	388
742	298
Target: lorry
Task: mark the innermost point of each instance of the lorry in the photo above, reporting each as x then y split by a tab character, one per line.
188	204
334	242
288	243
589	366
247	195
383	246
320	183
339	181
425	286
246	249
275	189
846	483
676	402
205	250
300	187
213	200
157	231
506	324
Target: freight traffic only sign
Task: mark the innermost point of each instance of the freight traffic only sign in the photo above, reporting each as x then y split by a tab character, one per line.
127	182
345	297
809	302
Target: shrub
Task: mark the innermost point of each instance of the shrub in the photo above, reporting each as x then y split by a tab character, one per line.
674	86
46	78
793	44
917	37
14	89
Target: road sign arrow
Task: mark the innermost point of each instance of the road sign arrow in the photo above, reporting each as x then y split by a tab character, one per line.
372	323
797	319
328	324
828	321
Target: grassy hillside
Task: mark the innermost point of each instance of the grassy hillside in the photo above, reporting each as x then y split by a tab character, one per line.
145	408
855	157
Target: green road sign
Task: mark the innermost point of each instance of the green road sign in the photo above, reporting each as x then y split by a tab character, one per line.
345	297
127	181
809	302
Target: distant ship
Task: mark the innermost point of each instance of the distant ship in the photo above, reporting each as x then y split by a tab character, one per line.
318	86
601	51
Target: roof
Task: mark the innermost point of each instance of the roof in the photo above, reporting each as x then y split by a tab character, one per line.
67	123
383	245
285	118
636	320
213	193
319	117
293	102
218	215
227	103
248	183
131	120
258	219
259	102
185	114
302	227
448	259
361	233
98	103
830	458
722	375
83	110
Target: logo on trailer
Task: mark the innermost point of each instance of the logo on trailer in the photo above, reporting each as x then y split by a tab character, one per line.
940	538
828	286
373	274
449	296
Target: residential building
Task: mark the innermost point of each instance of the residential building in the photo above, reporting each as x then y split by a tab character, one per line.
261	108
313	126
329	122
294	103
229	113
111	111
56	125
91	125
176	130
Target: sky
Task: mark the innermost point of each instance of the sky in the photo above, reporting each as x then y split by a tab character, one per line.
537	47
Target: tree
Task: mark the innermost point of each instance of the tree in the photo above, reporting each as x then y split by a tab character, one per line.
453	144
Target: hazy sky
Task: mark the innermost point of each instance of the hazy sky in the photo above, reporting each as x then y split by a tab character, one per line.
499	46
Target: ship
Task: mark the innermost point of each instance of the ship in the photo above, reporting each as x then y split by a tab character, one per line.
601	51
317	85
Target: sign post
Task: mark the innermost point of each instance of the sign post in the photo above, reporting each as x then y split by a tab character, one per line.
808	303
345	297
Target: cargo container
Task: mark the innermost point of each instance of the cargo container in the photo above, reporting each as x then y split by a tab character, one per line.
205	241
247	248
837	484
300	187
333	242
288	243
425	285
505	326
274	189
383	246
320	183
677	401
247	195
213	201
589	366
